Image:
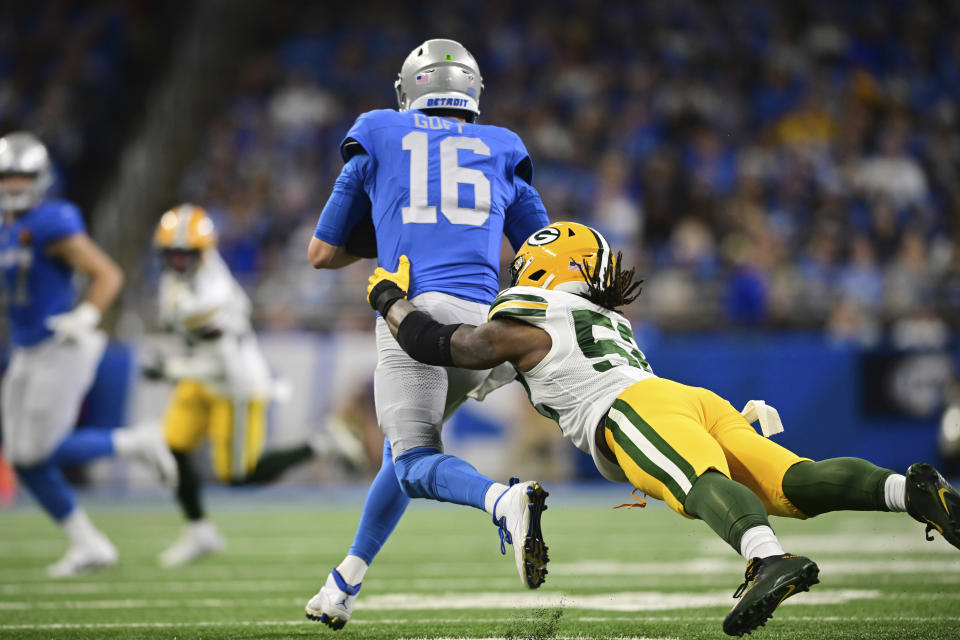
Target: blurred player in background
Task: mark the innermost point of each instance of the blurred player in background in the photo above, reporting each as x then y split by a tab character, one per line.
576	355
56	348
442	189
223	383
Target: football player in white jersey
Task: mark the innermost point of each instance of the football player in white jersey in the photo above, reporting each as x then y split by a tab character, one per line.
575	354
223	384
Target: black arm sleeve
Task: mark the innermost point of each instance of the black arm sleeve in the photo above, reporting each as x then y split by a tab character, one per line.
426	340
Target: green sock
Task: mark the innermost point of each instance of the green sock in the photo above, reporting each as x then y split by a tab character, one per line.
836	484
188	486
272	464
728	507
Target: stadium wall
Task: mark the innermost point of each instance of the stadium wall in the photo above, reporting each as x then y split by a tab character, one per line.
882	404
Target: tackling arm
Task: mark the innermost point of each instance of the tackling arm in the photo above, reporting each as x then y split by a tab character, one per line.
459	345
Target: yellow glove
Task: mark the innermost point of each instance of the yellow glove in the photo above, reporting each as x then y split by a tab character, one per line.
387	287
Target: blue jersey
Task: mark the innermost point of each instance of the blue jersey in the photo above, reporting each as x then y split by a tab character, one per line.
440	191
35	286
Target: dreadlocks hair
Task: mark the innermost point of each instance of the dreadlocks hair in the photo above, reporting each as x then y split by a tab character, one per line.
619	290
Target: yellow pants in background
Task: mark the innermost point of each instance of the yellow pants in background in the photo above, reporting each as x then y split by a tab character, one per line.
236	427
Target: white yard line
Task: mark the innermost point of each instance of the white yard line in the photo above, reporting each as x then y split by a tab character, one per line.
191	586
476	571
701	566
781	615
396	621
307	587
834	543
621	601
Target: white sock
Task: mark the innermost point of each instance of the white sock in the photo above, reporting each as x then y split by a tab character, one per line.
760	542
895	492
80	531
201	525
352	569
490	498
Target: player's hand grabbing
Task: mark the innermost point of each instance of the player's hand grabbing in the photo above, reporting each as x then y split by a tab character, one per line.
387	287
76	323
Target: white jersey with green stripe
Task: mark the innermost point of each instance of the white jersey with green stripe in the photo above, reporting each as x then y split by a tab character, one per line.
593	359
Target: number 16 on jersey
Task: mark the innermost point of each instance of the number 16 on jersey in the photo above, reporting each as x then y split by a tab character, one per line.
452	175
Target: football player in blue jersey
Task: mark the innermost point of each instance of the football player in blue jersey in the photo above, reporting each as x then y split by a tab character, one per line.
56	349
430	183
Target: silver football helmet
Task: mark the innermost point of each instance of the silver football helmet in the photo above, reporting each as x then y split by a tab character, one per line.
22	154
439	74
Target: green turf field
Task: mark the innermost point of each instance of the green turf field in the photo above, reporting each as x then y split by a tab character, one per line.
642	573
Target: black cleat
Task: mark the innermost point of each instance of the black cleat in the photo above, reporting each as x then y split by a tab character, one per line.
535	557
334	623
932	501
768	582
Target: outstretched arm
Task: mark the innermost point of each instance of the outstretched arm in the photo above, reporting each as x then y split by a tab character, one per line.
459	345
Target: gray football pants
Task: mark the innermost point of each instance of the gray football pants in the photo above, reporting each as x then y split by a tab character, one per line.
42	391
414	399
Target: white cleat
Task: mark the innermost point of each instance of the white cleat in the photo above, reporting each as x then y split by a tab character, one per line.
333	604
517	513
148	445
197	540
96	553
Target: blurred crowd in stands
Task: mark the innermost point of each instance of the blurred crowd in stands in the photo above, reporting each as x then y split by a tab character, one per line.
764	164
74	74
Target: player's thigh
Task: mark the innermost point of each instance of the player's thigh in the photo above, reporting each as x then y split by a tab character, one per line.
52	380
657	432
238	429
754	461
460	382
410	396
187	418
12	393
450	309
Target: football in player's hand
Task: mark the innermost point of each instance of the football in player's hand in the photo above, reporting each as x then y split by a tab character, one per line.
362	241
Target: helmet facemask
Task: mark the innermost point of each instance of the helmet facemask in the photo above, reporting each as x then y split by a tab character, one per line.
181	261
